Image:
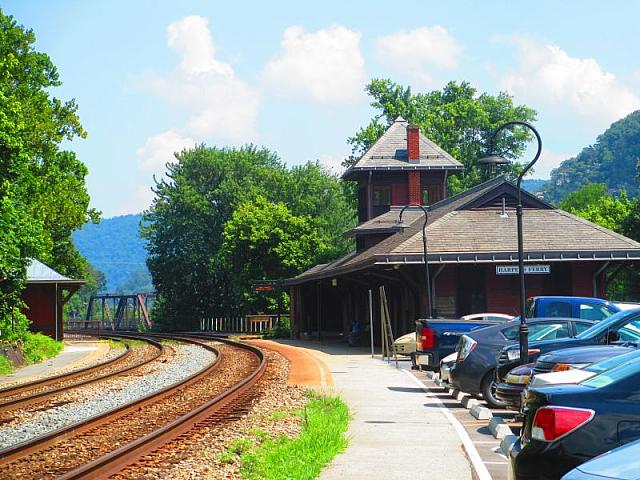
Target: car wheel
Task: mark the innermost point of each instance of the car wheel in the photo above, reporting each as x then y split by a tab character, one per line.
488	390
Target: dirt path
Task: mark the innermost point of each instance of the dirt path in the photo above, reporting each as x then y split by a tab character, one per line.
306	368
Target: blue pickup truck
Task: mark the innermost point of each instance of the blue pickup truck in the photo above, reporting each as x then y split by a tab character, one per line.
437	338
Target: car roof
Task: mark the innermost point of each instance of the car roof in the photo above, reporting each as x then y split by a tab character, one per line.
493	328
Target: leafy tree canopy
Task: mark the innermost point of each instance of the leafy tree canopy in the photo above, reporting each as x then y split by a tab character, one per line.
187	254
42	187
456	118
264	240
611	161
593	203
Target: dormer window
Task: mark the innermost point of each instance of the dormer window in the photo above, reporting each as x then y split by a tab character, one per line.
381	195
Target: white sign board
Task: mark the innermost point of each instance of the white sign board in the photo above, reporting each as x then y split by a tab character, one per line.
528	269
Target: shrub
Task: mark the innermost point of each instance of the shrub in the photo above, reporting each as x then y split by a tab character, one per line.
281	330
5	365
37	347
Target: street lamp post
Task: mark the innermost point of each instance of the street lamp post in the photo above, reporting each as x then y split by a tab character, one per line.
493	159
431	311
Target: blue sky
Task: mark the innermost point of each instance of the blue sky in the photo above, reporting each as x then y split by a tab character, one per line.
151	77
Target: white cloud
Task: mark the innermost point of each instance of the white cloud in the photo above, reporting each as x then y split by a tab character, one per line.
159	150
326	66
418	50
219	105
549	76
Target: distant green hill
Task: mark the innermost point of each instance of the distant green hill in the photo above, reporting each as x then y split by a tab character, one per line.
612	160
114	247
534	185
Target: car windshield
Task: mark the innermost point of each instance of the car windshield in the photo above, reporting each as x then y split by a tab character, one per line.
625	370
613	319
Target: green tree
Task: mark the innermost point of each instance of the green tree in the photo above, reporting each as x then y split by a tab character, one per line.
77	306
592	203
43	198
264	240
184	227
456	118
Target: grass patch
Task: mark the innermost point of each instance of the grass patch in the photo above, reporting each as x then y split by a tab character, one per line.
115	344
6	366
170	341
236	448
325	421
37	347
132	342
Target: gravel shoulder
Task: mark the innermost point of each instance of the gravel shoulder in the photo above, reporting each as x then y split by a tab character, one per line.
86	402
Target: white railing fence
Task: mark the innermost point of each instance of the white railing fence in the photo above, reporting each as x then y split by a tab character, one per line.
246	324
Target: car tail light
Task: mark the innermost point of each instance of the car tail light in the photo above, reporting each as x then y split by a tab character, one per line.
427	338
467	346
552	423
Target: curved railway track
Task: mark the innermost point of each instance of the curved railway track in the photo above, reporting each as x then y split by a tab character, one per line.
26	394
106	443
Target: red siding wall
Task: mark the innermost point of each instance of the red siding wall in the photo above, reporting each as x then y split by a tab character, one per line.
399	194
41	303
582	279
503	291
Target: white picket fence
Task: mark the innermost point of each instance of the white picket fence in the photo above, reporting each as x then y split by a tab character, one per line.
247	324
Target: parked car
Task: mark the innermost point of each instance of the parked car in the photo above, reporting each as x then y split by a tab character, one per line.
566	425
406	344
621	327
622	463
437	338
474	370
588	308
510	390
445	366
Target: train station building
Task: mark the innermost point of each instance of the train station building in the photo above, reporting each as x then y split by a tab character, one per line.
45	295
471	245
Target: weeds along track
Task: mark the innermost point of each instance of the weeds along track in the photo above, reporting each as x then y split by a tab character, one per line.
26	394
106	443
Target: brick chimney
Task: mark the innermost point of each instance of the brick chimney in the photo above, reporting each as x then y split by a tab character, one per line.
413	143
413	156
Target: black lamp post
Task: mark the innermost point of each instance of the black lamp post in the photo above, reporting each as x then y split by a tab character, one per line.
492	160
431	310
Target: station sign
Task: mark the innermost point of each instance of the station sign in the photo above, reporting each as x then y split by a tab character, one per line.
528	269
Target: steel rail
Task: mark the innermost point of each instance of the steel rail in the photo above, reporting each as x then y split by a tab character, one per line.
27	400
41	442
128	454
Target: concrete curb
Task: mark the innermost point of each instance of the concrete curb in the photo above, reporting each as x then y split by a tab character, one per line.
499	429
470	402
507	444
481	413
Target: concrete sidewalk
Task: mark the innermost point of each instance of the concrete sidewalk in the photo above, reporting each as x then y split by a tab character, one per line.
397	430
74	355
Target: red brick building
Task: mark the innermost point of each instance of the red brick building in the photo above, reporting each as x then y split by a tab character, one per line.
46	293
472	244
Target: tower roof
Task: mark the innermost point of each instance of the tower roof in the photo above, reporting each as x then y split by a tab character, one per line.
389	153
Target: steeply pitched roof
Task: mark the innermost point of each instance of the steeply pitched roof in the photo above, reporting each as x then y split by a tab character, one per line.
389	152
38	272
467	228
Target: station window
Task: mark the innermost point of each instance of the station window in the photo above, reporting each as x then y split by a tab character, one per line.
381	196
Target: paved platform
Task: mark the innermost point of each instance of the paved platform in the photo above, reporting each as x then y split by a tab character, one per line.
397	430
73	356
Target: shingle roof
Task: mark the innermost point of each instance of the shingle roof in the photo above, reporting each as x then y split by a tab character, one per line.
389	152
387	222
38	272
459	231
488	231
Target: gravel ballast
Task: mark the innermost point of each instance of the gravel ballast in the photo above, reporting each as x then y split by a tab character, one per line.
188	360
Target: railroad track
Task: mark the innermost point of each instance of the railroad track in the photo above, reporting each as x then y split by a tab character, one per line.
25	394
104	444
